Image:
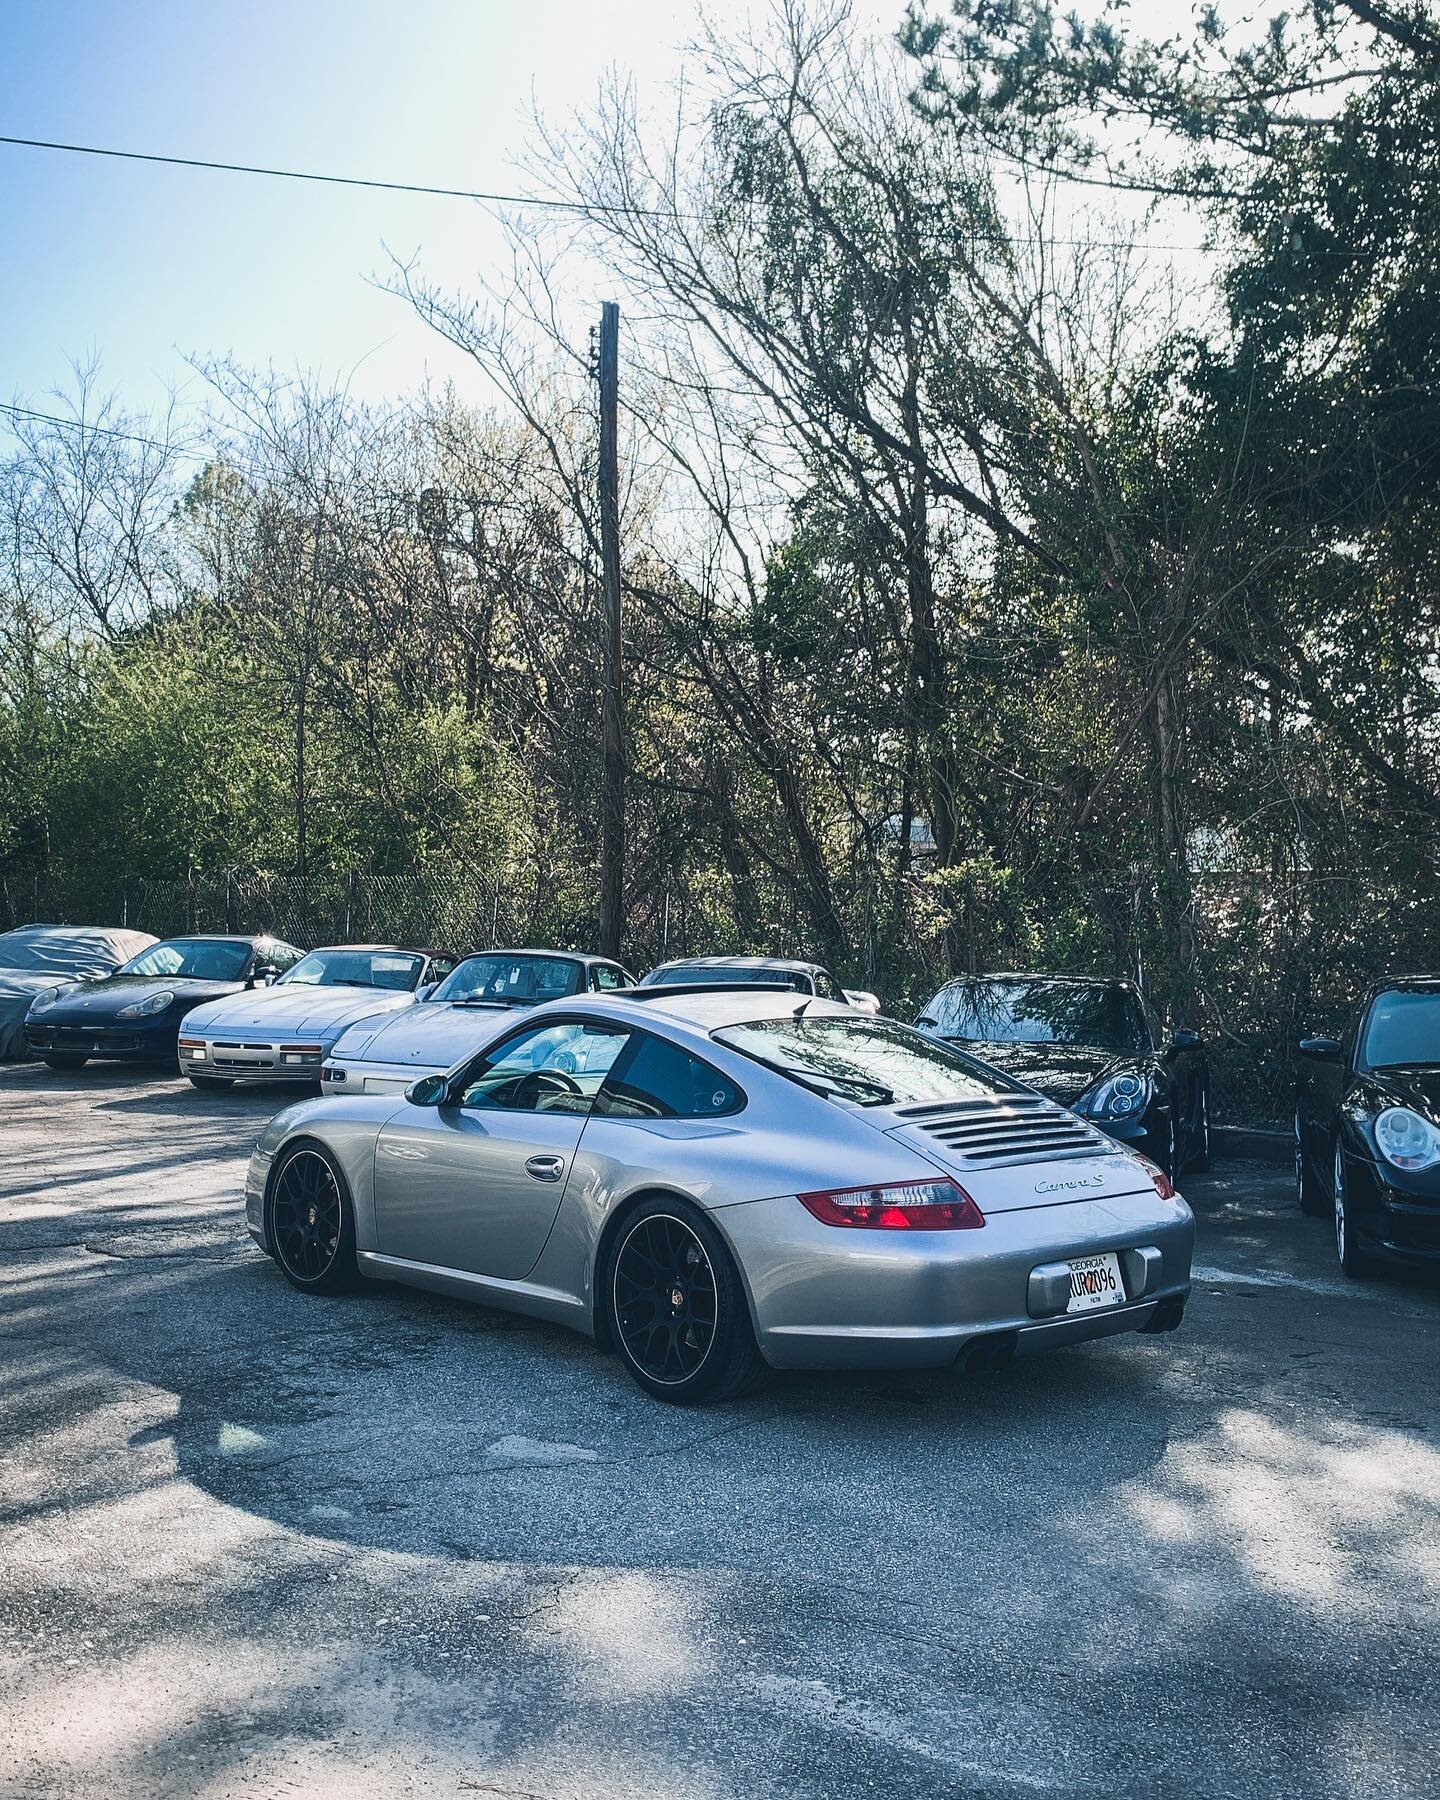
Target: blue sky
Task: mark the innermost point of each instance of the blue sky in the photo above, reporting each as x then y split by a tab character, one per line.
142	264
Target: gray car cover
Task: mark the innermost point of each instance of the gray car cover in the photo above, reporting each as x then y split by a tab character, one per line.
37	957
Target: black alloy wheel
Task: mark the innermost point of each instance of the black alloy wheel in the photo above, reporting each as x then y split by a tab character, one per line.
64	1060
1313	1203
312	1225
678	1314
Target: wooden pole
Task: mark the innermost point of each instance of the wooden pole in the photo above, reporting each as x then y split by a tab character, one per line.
612	822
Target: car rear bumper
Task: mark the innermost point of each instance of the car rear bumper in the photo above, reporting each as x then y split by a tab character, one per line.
826	1297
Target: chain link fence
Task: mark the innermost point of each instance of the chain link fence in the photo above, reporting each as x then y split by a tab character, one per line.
1276	959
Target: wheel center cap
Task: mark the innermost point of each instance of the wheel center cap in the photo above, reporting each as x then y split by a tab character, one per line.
677	1298
314	1215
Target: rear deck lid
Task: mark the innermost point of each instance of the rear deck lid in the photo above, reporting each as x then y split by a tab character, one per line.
1010	1151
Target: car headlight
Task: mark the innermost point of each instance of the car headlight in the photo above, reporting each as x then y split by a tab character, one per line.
147	1008
1406	1139
46	997
1117	1097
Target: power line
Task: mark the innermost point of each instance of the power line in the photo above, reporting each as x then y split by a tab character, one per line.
131	437
447	193
356	181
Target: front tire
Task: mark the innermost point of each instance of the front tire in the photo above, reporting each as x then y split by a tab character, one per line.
64	1062
676	1307
1352	1259
1313	1203
312	1221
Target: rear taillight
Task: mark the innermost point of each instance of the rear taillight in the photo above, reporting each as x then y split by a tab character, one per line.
898	1206
1164	1186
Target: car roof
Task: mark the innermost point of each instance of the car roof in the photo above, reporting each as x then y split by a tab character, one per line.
403	949
1406	984
795	963
583	956
704	1011
1121	981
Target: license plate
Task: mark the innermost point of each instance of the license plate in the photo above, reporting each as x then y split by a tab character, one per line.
1095	1281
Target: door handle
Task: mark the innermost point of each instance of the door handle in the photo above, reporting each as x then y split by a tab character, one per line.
546	1168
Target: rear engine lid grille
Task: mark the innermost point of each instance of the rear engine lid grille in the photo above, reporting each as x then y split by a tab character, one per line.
1014	1128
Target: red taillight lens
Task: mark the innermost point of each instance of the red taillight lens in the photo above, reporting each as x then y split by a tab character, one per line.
1164	1186
898	1206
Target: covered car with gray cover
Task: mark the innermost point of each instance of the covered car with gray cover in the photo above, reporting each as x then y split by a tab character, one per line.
36	957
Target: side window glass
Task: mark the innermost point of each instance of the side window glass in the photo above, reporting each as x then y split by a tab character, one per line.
827	987
284	956
608	979
661	1081
440	967
554	1068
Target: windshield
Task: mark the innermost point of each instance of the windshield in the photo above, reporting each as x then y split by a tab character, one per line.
1041	1012
202	959
511	980
727	975
872	1061
1403	1029
356	968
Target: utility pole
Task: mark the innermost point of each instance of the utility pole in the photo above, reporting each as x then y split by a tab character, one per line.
612	817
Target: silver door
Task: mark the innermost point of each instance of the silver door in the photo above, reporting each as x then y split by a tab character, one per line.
476	1184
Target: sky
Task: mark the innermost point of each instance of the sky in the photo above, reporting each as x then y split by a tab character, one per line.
142	265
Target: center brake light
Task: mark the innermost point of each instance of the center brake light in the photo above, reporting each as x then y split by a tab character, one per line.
897	1206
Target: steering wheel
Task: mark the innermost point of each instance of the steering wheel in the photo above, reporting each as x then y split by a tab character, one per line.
551	1081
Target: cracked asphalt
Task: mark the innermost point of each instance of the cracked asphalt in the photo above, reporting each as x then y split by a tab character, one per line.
254	1543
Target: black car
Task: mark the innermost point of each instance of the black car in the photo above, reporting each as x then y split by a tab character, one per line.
1097	1047
134	1015
1367	1127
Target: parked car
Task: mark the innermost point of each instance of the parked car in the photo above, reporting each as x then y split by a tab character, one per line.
721	1183
1367	1128
37	958
135	1015
384	1055
726	971
1096	1046
285	1032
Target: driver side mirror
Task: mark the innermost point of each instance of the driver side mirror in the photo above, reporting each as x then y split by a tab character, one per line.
862	1000
263	974
426	990
1322	1049
925	1019
429	1090
1185	1040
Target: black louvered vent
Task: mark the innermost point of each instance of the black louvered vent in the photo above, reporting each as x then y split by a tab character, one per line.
1021	1127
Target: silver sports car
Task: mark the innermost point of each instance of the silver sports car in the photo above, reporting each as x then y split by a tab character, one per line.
284	1032
384	1054
713	1183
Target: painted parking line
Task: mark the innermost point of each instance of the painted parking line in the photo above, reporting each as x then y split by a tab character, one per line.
1330	1286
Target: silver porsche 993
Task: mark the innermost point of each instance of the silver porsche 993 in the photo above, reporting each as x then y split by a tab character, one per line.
716	1183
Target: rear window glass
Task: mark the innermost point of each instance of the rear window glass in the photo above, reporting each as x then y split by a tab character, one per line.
872	1061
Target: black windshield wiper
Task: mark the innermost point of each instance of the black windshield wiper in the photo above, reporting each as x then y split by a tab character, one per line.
475	1000
880	1095
1433	1063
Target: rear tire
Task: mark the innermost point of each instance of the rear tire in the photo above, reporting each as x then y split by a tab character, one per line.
64	1061
311	1221
1313	1203
676	1309
211	1082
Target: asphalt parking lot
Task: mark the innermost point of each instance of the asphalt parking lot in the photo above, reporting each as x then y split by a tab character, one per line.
257	1543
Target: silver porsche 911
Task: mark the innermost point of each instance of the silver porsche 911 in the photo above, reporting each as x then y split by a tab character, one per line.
713	1183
